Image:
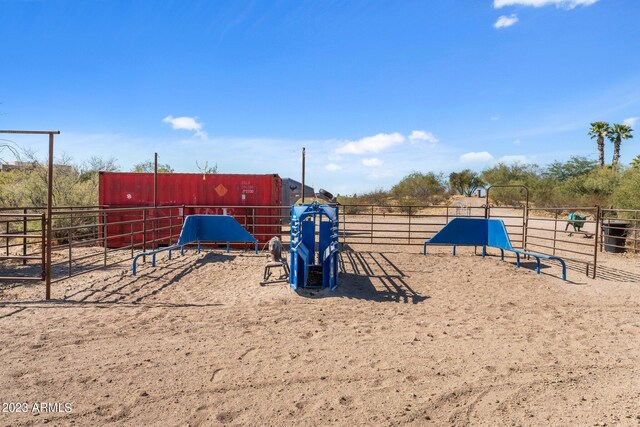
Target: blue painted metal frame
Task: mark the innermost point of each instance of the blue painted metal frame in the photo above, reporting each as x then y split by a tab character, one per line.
204	228
303	244
484	232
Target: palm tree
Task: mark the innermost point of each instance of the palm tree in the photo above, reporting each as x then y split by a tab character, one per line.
600	130
635	163
616	134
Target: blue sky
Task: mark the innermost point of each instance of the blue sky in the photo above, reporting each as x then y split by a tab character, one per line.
373	89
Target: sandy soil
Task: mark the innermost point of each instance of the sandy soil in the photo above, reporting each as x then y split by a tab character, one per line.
405	340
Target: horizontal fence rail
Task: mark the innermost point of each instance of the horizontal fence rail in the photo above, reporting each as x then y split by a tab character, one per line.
550	231
620	230
22	255
87	238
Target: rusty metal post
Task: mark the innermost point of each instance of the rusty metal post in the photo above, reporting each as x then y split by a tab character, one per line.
446	220
409	240
49	221
155	180
131	226
144	233
344	225
555	232
69	238
635	232
104	235
24	239
7	238
43	226
170	226
525	226
371	224
595	237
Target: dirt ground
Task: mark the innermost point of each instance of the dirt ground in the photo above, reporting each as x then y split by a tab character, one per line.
405	340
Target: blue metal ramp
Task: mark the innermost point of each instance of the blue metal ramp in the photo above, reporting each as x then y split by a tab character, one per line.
204	228
484	232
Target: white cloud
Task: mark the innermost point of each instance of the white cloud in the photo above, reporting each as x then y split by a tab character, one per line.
421	135
494	118
372	162
631	121
518	158
332	167
506	21
186	123
371	144
377	174
517	142
566	4
479	157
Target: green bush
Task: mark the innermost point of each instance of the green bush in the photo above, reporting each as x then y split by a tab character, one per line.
627	193
419	188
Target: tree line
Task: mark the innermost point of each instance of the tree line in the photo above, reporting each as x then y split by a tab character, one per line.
74	184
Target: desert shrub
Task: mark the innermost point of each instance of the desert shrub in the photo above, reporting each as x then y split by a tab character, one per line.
626	195
598	186
513	174
418	188
576	166
465	182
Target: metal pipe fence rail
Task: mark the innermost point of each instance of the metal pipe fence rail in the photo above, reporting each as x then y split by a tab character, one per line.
412	225
550	231
620	230
24	246
84	239
89	239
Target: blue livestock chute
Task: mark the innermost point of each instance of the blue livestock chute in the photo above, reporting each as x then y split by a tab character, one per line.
204	228
309	258
484	232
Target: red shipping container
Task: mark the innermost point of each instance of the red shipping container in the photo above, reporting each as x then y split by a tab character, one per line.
243	194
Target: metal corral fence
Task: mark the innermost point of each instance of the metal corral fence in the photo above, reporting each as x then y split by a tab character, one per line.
24	245
88	238
620	230
549	231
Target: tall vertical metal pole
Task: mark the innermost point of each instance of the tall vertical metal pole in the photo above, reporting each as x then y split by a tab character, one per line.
155	180
24	239
155	198
302	175
596	234
49	210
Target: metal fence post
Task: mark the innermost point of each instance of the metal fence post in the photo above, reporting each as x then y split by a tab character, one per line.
69	239
104	235
595	242
24	239
144	233
409	240
555	231
371	224
635	232
43	226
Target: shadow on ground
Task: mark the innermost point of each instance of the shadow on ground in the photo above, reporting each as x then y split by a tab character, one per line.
373	276
124	290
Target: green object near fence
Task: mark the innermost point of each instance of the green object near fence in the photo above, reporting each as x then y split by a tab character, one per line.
576	221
